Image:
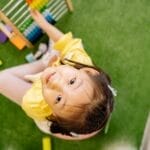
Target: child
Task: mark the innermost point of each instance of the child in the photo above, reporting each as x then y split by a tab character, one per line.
71	99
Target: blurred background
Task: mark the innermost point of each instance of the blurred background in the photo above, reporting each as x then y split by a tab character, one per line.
116	34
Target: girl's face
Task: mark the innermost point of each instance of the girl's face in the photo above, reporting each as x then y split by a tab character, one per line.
66	88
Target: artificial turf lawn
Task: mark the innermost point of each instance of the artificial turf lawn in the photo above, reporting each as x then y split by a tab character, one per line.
116	35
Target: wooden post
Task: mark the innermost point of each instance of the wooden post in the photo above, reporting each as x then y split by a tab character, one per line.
69	5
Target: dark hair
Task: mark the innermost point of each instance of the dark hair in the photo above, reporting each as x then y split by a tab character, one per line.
90	117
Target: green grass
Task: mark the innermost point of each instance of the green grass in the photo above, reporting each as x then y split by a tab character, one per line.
116	35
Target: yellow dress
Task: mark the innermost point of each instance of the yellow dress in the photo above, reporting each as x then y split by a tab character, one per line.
33	101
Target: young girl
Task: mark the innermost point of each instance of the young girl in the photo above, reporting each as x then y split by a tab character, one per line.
70	99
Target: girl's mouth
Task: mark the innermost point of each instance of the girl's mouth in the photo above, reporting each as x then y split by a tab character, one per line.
48	77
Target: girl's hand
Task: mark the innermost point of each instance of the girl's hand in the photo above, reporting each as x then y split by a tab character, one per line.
32	77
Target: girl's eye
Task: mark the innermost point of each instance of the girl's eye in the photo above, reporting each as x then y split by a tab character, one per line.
58	98
72	81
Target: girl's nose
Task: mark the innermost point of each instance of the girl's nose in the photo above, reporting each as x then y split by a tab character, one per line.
57	82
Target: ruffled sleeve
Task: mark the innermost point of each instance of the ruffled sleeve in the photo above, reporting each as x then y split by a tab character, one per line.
72	48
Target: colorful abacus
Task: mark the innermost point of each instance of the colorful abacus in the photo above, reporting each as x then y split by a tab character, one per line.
16	15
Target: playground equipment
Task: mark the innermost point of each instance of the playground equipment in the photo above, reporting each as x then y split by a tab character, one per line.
1	62
24	30
46	143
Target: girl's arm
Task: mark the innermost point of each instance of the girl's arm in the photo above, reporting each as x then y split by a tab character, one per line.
26	69
50	30
13	85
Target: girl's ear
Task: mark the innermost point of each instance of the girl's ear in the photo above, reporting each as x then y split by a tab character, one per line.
90	71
